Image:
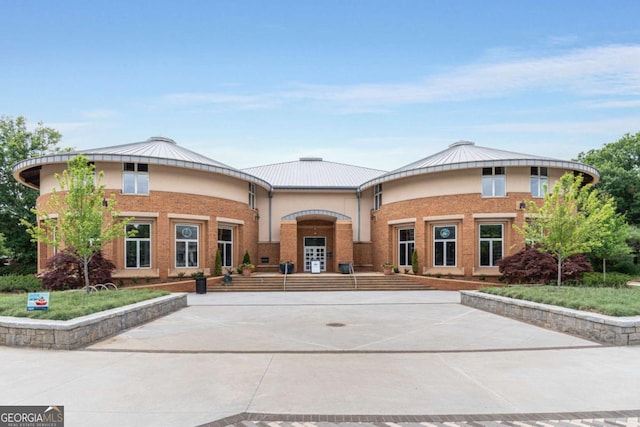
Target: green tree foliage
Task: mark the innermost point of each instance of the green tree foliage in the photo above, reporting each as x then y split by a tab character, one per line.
246	259
573	219
614	242
414	262
85	220
217	266
619	166
16	200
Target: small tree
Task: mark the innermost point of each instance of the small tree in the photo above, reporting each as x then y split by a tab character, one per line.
612	243
414	262
85	219
217	266
246	259
573	219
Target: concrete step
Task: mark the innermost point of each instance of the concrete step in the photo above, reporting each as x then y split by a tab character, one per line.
319	282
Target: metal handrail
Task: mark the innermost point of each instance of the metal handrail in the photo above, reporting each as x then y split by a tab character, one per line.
353	274
284	282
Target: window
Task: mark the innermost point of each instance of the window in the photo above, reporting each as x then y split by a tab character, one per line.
377	197
186	246
444	246
406	243
135	178
225	246
138	247
493	182
539	181
491	244
252	195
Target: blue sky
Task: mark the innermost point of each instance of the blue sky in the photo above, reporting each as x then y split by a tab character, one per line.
374	83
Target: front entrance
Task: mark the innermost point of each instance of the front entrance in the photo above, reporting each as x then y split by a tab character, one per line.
315	249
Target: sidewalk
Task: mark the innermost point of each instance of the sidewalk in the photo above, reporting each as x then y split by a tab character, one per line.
330	355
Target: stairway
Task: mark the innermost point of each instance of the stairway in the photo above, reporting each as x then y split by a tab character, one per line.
320	282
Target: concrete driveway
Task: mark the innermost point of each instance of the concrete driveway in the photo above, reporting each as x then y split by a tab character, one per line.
333	353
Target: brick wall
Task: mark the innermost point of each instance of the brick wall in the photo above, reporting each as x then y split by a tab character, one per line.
465	211
164	210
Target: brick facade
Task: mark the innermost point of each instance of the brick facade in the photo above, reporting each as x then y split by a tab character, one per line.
414	202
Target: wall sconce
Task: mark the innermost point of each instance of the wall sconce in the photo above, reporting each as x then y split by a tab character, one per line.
105	203
373	217
256	217
522	205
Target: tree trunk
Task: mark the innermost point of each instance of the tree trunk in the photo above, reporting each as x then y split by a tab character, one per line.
559	270
604	271
85	269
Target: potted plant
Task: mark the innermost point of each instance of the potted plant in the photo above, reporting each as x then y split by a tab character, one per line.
201	282
387	268
286	266
246	269
344	267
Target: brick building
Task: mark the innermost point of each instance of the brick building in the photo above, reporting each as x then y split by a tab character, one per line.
456	208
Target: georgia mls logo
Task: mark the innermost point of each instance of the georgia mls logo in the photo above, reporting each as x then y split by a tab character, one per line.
31	416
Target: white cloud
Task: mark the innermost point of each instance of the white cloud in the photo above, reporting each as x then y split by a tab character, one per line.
98	114
606	70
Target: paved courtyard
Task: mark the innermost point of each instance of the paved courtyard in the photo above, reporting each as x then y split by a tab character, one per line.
312	359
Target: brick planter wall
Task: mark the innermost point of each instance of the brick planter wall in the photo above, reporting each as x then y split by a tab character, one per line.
85	330
592	326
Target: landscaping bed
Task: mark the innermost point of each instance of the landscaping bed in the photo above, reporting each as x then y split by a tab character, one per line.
602	328
84	330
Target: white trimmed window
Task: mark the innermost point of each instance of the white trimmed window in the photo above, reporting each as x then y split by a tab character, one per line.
186	246
539	181
135	178
491	244
225	246
406	244
493	182
252	195
377	196
444	246
137	248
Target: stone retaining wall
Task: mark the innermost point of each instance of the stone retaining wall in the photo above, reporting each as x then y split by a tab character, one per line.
85	330
592	326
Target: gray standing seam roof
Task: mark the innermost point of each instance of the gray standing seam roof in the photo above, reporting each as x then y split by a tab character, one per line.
155	150
310	173
313	173
466	155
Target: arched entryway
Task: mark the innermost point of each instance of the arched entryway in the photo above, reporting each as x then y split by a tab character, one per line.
316	235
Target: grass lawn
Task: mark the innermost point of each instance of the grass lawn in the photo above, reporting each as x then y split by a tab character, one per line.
70	304
610	301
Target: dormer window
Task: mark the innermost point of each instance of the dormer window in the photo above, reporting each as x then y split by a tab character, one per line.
135	178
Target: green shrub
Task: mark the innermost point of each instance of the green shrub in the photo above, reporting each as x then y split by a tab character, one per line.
18	269
246	259
217	266
20	283
414	262
625	267
614	280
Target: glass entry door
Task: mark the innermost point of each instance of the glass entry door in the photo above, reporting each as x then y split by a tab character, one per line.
315	249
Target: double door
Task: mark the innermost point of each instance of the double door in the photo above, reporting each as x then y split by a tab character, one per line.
315	249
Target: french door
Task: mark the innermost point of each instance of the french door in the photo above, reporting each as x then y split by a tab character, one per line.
315	249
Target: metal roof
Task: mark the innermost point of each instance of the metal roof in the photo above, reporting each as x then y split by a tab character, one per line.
313	173
308	173
157	147
467	155
156	150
